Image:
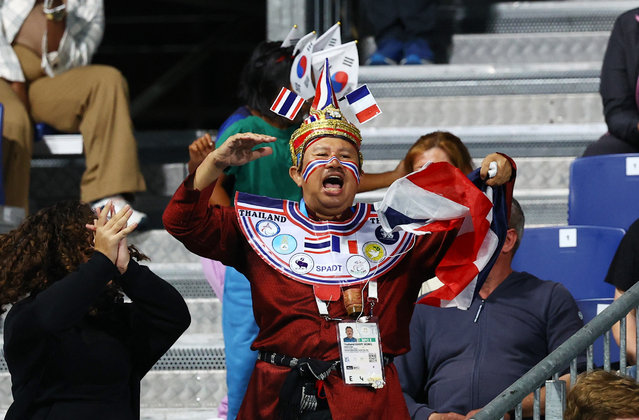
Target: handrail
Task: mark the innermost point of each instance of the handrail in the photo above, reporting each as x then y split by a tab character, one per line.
561	357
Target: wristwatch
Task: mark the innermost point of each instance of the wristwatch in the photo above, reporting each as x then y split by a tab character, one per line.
55	14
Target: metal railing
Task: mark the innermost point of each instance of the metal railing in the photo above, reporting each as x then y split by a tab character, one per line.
581	341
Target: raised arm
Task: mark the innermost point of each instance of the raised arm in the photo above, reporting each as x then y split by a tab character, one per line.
237	150
158	315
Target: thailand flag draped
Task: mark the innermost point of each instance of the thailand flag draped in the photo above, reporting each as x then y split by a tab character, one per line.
439	198
324	94
287	104
363	104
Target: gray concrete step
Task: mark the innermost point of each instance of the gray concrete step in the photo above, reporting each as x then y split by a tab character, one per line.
501	78
531	48
556	16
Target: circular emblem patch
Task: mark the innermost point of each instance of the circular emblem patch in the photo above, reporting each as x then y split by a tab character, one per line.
267	228
301	263
387	238
357	266
284	244
374	251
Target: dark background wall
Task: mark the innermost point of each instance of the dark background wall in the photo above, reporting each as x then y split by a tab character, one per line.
181	58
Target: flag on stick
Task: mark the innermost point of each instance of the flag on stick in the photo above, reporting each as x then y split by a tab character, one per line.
301	72
287	104
363	104
344	61
292	37
328	39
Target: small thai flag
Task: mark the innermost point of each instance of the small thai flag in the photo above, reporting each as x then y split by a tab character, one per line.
318	244
324	93
287	104
363	104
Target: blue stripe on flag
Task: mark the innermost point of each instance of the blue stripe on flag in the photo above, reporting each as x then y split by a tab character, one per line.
359	93
335	244
320	245
499	224
290	99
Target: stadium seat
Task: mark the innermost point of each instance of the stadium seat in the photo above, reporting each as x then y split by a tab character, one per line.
589	309
576	256
1	169
603	190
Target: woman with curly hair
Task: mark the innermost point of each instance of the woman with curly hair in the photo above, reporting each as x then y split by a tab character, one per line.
74	349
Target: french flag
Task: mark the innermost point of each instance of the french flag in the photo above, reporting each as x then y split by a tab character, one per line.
287	104
363	104
440	198
324	94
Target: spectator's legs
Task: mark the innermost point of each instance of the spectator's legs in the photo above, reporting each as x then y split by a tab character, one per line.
384	17
93	100
17	145
418	18
609	145
240	330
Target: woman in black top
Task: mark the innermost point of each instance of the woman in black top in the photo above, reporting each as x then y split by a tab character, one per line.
619	89
74	349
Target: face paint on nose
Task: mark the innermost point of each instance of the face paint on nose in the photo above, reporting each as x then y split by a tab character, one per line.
315	164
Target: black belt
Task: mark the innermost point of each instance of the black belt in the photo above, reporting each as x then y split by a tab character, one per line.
279	359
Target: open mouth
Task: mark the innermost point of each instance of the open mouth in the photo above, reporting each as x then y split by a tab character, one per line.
333	183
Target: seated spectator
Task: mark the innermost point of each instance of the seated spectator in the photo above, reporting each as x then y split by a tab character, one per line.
601	395
623	274
442	146
460	360
618	89
45	76
401	30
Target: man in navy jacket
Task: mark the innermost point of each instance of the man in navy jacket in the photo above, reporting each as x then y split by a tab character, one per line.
460	360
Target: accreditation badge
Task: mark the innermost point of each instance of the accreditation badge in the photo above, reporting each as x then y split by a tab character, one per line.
361	354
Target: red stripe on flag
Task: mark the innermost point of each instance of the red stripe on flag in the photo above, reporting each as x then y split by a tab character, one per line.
279	98
352	247
297	108
368	113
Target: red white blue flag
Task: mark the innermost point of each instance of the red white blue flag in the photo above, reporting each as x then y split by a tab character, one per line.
287	104
324	93
363	104
429	201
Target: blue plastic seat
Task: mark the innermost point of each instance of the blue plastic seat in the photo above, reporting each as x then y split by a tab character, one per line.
604	191
2	198
576	256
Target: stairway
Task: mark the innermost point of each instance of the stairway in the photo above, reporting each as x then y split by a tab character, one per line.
528	88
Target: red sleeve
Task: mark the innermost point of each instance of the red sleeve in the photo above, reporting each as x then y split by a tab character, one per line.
208	231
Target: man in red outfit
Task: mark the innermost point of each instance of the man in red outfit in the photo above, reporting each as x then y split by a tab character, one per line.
320	266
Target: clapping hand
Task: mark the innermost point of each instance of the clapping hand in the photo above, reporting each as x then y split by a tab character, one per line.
111	233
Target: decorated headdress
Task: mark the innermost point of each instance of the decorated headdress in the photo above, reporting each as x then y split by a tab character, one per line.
325	120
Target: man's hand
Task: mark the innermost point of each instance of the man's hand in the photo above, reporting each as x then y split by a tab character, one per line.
199	150
237	150
504	170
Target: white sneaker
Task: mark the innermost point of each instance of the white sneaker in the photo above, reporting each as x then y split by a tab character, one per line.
119	202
